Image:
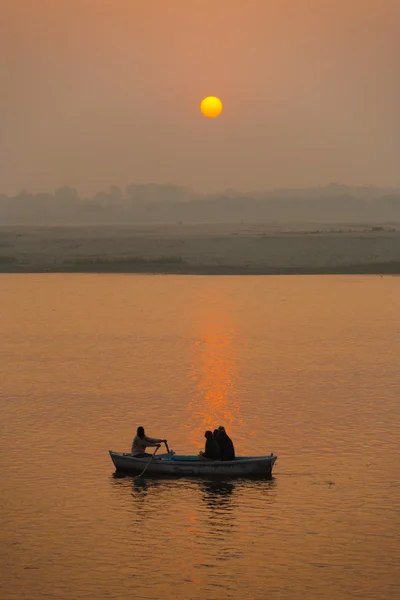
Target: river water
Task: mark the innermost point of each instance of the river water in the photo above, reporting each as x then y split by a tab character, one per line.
305	367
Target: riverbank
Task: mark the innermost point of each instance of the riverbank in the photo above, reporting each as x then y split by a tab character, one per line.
202	249
362	269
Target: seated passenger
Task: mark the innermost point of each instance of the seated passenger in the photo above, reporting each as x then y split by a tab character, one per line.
212	449
226	447
140	443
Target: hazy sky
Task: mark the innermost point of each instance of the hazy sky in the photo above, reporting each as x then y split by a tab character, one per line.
100	92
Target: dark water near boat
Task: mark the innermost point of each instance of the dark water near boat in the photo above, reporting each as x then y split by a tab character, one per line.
306	367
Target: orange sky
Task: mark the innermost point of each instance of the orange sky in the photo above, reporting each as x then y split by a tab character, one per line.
100	92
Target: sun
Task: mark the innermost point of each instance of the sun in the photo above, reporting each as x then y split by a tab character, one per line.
211	107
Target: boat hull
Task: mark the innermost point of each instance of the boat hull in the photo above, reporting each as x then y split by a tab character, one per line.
257	466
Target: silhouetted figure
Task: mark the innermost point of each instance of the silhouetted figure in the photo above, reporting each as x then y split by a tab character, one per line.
226	447
212	448
140	443
215	433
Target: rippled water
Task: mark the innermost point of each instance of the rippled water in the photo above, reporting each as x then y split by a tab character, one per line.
306	367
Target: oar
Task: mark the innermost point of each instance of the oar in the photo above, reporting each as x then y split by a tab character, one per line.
151	458
166	445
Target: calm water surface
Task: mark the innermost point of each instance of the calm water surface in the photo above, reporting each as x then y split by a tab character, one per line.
306	367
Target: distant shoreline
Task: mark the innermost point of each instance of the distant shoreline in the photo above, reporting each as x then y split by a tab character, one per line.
389	268
225	249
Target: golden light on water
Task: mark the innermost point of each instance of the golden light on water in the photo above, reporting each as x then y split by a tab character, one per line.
211	107
215	370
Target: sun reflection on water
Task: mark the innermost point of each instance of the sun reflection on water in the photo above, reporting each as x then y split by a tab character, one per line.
215	374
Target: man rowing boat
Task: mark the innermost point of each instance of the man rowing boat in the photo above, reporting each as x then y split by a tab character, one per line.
141	441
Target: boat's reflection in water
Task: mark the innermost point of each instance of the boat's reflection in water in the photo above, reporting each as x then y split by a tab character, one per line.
201	527
217	495
219	500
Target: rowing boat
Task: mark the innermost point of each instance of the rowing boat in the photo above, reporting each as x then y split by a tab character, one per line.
191	466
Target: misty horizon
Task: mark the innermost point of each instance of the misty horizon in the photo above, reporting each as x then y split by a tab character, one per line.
329	188
141	203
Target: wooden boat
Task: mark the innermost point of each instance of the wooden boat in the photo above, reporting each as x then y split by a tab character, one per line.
190	466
